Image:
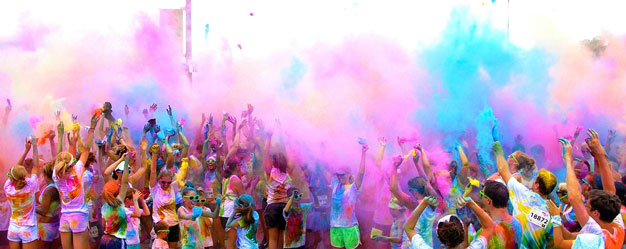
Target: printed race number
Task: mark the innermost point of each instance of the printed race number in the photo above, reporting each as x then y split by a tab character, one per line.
539	217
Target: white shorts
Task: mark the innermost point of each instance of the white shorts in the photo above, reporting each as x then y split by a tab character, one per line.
74	222
24	234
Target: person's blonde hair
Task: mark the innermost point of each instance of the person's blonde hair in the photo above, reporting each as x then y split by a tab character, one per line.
18	175
63	163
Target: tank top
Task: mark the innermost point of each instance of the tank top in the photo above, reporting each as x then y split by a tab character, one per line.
54	208
228	203
277	187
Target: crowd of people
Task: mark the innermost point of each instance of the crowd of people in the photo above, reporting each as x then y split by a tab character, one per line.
231	187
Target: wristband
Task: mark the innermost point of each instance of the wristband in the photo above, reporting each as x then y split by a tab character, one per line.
556	221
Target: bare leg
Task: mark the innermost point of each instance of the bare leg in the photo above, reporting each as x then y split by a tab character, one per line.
15	245
32	245
81	240
66	240
231	238
273	238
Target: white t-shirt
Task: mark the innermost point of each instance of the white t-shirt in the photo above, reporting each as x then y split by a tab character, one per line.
343	204
164	204
132	227
418	243
72	193
5	215
22	201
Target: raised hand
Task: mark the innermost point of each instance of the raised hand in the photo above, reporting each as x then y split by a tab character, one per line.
566	151
145	113
137	195
497	149
364	147
52	135
94	121
418	147
60	128
74	118
153	108
494	131
232	119
210	118
612	135
27	144
463	201
143	144
169	110
250	109
57	115
146	128
397	161
553	209
126	110
154	149
431	200
382	141
9	107
594	143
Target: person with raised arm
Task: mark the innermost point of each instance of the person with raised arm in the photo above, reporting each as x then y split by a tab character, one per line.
232	188
450	229
164	189
20	191
495	201
67	175
601	214
419	188
529	206
189	212
132	218
245	221
344	227
49	210
277	171
114	219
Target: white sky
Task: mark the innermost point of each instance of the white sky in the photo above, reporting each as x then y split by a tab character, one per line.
283	25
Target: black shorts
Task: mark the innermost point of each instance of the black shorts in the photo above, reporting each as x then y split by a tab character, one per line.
274	216
174	234
223	221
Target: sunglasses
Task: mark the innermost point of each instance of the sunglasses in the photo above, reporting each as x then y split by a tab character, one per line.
202	200
166	182
562	197
482	193
514	158
9	175
160	231
586	182
240	204
192	197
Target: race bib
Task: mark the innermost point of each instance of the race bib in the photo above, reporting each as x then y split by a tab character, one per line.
539	217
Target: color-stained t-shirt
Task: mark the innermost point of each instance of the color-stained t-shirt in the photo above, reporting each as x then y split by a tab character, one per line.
507	235
204	223
164	204
71	191
532	212
132	227
295	231
190	231
22	201
614	239
396	231
160	244
277	186
114	220
343	204
246	236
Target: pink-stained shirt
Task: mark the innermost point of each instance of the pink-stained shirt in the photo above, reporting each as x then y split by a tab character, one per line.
22	201
72	193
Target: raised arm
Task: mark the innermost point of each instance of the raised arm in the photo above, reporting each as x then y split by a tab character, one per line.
486	223
7	110
214	213
141	160
559	231
416	160
573	186
181	176
359	178
27	146
124	181
503	166
85	153
33	141
53	146
409	225
381	152
403	198
603	164
267	163
137	212
154	149
425	162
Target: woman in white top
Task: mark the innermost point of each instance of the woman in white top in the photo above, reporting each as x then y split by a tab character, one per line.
20	191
